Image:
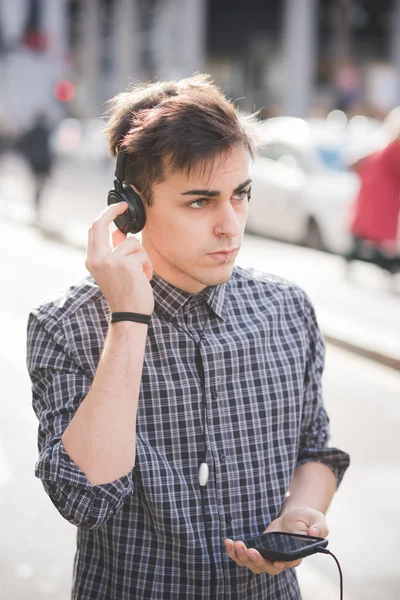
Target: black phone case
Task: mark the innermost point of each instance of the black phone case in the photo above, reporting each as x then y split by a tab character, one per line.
258	543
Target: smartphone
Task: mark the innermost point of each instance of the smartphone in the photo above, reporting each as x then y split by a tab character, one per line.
278	545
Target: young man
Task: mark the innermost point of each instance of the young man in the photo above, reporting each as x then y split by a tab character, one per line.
168	444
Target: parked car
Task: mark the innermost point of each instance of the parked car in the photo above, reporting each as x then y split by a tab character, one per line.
302	186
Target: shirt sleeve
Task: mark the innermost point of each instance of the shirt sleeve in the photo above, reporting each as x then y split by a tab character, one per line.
315	430
58	387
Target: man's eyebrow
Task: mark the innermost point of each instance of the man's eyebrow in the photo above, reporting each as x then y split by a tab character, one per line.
242	185
214	193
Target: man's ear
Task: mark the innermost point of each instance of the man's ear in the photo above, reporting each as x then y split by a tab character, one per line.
135	189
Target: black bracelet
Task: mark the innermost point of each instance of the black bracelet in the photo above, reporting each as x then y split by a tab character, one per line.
116	317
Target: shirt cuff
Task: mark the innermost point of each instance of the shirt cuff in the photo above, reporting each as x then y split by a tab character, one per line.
55	466
337	460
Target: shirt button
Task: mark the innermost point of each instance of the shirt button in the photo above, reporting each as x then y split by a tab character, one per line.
222	458
214	394
228	519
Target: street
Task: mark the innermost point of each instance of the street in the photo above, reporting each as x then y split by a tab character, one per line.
362	398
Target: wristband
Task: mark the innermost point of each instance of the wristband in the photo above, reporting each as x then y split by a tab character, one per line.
116	317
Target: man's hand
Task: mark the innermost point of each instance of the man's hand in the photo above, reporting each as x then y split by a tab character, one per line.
120	266
303	520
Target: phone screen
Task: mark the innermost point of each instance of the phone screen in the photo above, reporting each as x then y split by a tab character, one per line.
285	543
278	545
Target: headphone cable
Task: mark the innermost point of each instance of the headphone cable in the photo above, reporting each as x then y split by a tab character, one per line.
200	370
326	551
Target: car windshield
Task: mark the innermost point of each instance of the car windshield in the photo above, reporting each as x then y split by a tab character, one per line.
332	158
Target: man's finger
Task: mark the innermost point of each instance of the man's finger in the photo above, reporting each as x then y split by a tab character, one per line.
231	551
144	260
239	553
320	530
252	559
131	246
117	237
287	565
262	565
100	241
128	246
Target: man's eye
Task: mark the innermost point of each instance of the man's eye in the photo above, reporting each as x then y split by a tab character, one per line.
243	194
198	203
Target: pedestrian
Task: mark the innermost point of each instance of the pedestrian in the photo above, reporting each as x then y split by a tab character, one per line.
179	396
34	145
7	135
375	214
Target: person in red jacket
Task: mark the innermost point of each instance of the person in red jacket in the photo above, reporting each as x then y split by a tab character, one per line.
375	216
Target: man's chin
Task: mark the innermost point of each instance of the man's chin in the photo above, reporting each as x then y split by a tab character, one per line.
193	280
219	276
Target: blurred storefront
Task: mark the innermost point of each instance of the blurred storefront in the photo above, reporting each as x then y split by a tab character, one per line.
293	57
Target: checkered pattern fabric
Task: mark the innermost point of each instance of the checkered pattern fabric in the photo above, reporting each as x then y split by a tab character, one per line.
143	536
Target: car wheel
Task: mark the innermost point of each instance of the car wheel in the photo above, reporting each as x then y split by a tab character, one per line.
313	236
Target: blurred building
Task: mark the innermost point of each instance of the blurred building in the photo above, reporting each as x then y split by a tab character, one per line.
288	57
297	56
34	50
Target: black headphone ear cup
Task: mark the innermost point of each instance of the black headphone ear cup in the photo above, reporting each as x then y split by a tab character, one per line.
133	219
137	213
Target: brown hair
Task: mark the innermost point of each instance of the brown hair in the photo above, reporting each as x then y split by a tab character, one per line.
186	122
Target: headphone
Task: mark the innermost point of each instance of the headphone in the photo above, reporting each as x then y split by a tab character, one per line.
134	218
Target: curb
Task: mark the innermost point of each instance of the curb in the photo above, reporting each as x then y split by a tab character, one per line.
348	335
379	357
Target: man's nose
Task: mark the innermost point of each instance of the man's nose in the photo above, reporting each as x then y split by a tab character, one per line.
228	222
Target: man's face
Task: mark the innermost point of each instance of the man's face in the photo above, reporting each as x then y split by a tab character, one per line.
195	226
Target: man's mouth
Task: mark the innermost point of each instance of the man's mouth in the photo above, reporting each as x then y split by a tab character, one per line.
224	255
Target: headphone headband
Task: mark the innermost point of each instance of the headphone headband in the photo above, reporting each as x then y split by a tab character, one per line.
120	167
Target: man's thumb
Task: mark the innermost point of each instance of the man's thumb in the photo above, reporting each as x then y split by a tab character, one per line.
117	237
314	530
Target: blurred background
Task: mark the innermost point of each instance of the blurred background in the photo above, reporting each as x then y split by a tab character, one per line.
323	77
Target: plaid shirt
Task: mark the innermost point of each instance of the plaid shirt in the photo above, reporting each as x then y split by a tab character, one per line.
143	536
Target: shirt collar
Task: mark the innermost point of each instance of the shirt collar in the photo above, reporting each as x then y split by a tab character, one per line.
169	299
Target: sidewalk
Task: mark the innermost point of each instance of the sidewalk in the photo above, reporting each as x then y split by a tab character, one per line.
358	313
